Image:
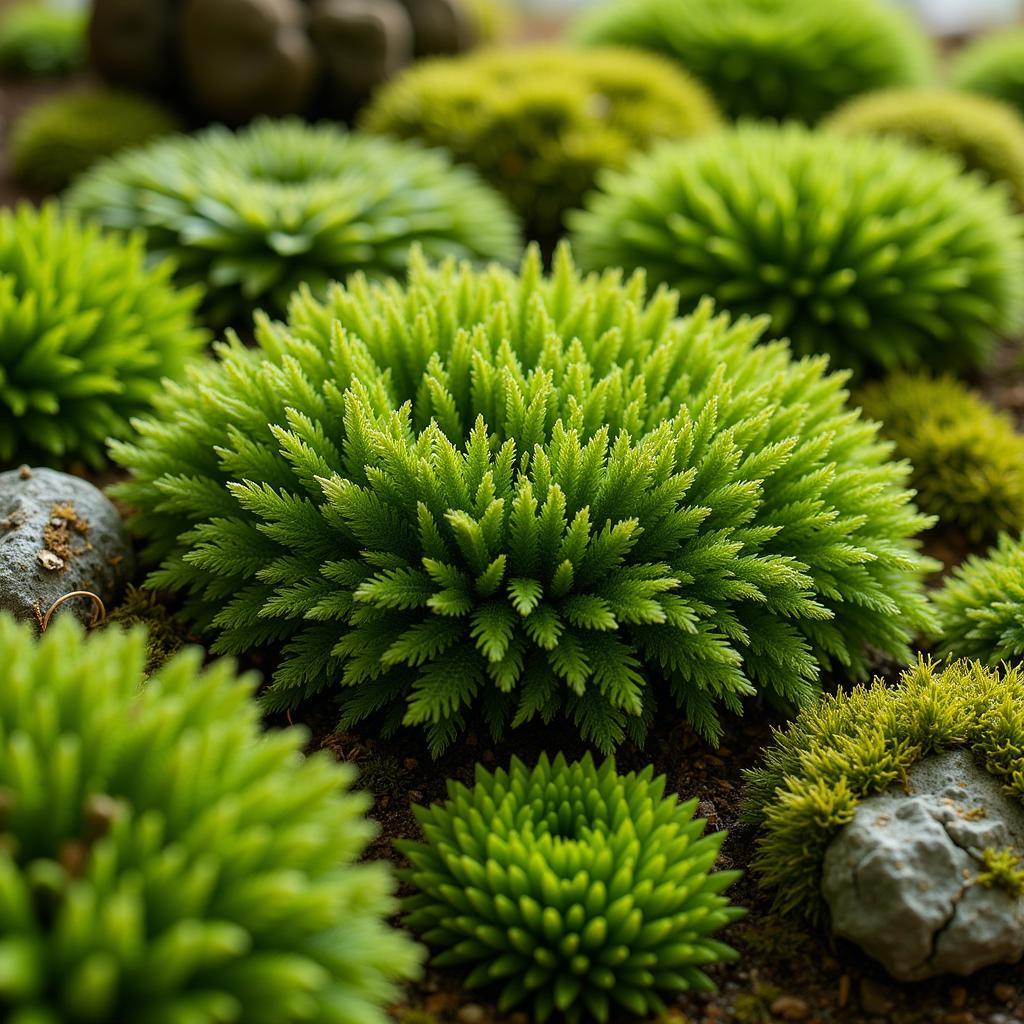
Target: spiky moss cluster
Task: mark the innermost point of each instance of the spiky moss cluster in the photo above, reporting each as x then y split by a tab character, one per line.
61	137
782	59
571	887
526	497
87	331
967	456
981	606
492	20
539	123
161	859
993	65
854	745
870	250
986	135
37	39
255	214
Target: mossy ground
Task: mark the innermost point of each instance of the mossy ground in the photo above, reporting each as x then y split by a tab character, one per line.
785	972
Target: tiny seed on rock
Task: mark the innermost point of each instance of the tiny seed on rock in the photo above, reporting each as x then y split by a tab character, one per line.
791	1008
471	1013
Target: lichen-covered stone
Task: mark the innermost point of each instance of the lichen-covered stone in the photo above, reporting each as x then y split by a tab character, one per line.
901	879
58	534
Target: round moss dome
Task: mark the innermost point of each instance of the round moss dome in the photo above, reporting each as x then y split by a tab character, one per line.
873	251
854	745
981	606
87	331
59	138
967	456
795	59
575	889
37	39
254	214
163	859
503	496
539	123
986	135
993	65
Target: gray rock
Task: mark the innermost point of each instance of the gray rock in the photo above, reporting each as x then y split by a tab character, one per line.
58	534
899	879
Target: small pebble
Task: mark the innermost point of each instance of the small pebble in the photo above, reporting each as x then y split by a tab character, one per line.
874	998
791	1008
958	1017
1004	992
471	1013
958	997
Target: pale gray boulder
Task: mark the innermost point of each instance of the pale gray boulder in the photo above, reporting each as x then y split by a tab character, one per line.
900	879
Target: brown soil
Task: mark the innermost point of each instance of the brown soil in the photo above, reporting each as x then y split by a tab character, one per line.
785	972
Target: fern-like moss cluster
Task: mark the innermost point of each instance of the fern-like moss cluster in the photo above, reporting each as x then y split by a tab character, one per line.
985	134
967	456
573	888
39	39
539	123
981	606
852	746
59	138
255	214
870	250
794	59
160	859
522	497
994	65
87	331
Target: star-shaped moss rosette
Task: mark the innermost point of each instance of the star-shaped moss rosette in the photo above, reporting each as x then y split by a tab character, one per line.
570	889
255	214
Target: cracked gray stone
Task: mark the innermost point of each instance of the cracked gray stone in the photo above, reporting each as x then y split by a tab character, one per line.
899	878
58	534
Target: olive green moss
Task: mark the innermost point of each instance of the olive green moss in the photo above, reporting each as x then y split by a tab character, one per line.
539	123
854	745
967	456
985	134
59	138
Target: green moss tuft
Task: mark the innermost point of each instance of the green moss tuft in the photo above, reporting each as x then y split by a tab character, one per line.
59	138
255	214
162	858
516	497
164	632
87	331
574	889
986	135
967	456
783	59
993	65
981	606
854	745
870	250
1002	870
37	39
539	123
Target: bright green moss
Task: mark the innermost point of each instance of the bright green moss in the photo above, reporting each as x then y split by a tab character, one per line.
986	135
873	251
967	456
37	39
773	58
575	890
61	137
852	746
539	123
491	497
163	859
87	332
252	215
993	65
981	606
